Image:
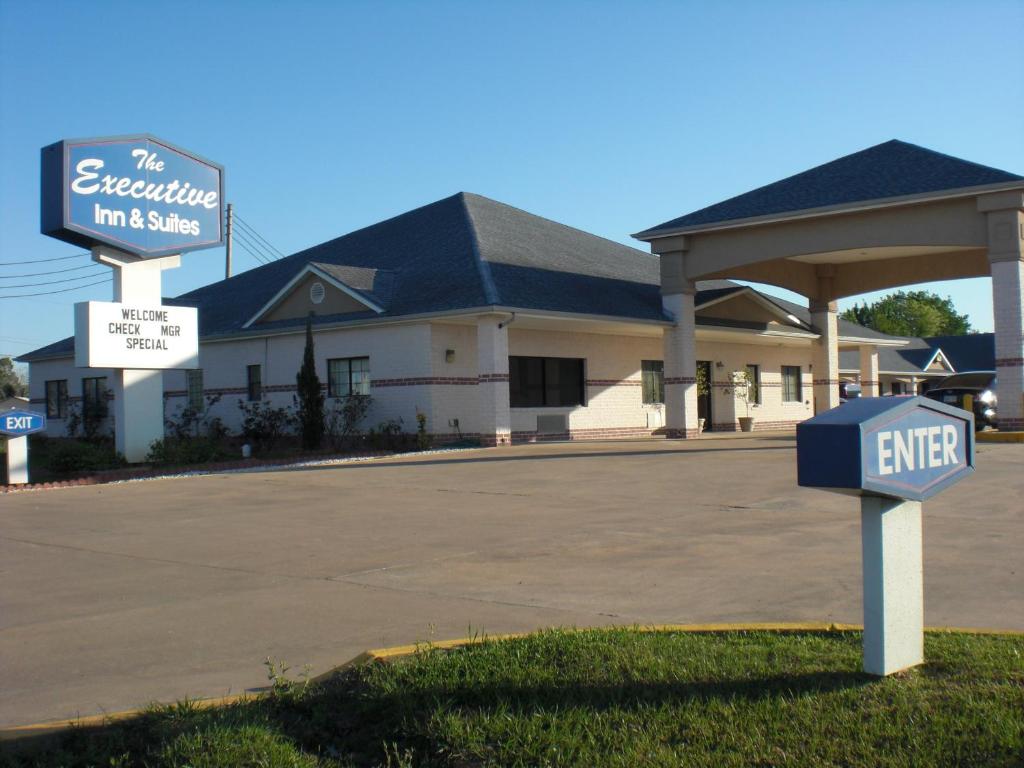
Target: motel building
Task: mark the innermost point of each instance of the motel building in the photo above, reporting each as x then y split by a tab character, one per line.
503	326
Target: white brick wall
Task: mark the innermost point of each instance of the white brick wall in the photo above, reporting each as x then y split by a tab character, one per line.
411	373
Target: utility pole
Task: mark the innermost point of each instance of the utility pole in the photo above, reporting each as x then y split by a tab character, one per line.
227	249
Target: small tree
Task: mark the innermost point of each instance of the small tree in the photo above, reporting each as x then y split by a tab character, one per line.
744	386
310	395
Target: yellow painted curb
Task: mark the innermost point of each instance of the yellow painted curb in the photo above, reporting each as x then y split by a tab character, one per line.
999	437
398	651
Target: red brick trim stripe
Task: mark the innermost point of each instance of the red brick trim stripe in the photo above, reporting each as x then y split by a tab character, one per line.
1010	362
492	378
823	382
759	426
423	381
680	380
614	383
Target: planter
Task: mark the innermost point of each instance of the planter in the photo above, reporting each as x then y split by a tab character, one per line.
746	423
700	425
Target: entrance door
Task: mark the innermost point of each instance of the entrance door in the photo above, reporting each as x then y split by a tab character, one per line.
704	398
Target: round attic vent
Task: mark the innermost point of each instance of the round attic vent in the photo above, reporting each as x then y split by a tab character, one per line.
317	293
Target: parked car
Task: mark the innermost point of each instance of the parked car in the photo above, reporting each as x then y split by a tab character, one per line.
848	391
980	385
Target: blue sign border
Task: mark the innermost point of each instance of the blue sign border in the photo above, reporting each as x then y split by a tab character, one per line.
55	202
831	446
22	432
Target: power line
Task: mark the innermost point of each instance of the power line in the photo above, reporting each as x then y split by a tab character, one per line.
255	256
51	272
63	290
260	237
52	282
254	248
266	252
40	261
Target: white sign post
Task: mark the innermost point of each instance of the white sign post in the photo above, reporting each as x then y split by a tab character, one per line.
138	392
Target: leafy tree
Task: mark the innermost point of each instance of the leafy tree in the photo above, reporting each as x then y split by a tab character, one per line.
911	313
12	383
310	396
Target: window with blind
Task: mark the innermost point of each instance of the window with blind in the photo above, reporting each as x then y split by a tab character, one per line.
791	385
194	388
652	373
254	382
348	376
57	399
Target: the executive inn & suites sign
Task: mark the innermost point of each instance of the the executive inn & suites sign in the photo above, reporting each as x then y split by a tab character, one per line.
894	452
137	202
136	193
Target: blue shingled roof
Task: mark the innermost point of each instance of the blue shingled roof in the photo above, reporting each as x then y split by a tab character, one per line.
892	169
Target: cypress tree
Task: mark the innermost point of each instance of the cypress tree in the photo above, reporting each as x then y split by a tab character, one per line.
310	396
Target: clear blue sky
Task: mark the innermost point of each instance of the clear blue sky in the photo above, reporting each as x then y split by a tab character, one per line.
610	117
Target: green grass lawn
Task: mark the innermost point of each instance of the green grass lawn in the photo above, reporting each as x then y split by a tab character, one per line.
606	698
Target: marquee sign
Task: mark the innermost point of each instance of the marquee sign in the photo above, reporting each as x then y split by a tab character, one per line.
17	423
135	193
127	335
901	447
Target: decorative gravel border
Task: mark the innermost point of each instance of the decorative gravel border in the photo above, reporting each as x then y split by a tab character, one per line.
218	468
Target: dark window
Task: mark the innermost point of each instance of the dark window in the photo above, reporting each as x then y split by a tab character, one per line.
653	374
791	385
94	396
545	381
348	376
897	387
255	382
194	388
57	399
754	375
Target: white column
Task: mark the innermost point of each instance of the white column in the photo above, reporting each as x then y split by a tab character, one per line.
17	460
492	374
138	394
869	370
825	355
893	584
1008	312
680	351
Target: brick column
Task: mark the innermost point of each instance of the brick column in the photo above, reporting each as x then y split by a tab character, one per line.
680	351
1005	214
869	370
1008	311
492	373
825	355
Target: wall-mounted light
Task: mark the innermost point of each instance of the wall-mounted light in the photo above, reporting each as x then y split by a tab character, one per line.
719	364
449	355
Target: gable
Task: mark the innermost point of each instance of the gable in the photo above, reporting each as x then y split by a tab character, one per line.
299	301
747	307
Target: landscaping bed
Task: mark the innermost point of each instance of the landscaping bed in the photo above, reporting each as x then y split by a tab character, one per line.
603	698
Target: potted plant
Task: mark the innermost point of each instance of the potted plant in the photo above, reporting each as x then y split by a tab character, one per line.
744	388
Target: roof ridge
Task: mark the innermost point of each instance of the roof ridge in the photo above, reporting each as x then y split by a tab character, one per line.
560	224
483	267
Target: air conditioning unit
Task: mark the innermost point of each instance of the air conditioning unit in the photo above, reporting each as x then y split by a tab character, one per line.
552	424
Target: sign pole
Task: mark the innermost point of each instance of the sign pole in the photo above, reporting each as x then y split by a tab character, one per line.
893	584
17	460
138	393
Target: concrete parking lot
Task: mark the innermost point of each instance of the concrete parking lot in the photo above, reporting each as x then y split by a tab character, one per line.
112	596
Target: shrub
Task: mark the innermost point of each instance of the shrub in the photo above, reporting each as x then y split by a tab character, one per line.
192	450
264	425
74	456
343	420
422	436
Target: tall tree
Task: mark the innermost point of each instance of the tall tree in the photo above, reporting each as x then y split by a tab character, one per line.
11	381
310	395
911	313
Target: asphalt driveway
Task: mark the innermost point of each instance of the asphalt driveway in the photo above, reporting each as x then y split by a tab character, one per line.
112	596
